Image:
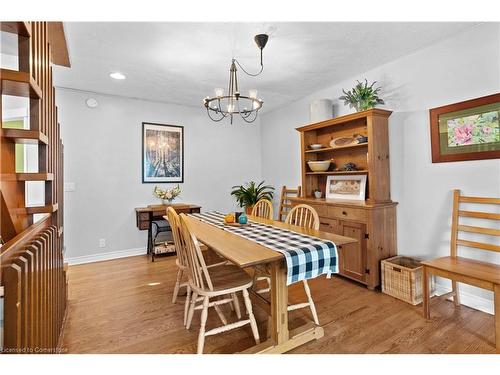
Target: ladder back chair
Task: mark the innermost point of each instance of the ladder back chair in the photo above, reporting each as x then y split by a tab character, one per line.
304	216
285	203
264	209
181	261
180	250
467	270
214	284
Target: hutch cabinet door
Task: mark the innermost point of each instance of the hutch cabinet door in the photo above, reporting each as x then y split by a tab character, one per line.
353	256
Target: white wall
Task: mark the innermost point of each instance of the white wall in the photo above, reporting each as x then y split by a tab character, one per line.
460	68
103	158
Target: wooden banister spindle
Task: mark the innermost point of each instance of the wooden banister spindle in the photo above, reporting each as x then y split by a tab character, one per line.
12	311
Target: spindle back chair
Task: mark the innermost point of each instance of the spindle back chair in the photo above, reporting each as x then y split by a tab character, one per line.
219	282
303	215
264	209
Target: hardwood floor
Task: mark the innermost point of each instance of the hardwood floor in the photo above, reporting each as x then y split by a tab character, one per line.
124	306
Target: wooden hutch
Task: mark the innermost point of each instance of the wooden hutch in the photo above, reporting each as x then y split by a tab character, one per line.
373	221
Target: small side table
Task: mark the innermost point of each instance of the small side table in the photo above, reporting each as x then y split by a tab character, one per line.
147	217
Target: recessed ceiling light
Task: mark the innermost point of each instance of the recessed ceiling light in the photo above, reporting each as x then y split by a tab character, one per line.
117	75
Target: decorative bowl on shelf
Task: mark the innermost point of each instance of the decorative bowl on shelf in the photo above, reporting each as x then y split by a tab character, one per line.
319	166
342	142
315	146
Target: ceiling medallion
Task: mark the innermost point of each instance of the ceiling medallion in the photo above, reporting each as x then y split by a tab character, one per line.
221	106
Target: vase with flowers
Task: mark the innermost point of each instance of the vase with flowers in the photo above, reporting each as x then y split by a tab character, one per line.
167	195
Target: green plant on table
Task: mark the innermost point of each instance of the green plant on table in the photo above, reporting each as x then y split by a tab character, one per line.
250	193
362	96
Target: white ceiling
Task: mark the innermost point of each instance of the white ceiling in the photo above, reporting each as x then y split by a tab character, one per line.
184	62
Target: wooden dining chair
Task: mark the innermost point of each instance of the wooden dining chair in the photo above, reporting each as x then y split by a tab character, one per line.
181	261
285	203
305	216
264	209
215	283
457	268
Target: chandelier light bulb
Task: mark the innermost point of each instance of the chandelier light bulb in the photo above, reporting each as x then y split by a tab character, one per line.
230	108
252	93
219	92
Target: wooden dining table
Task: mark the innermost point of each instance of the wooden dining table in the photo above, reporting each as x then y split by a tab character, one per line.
245	254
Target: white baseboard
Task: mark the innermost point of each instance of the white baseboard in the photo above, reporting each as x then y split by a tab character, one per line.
106	256
467	299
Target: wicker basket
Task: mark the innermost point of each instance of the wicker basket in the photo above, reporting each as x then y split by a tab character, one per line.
402	279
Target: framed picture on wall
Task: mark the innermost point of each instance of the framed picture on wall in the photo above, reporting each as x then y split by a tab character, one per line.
352	187
162	153
467	130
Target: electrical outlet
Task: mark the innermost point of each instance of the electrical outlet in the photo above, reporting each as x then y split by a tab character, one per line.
102	242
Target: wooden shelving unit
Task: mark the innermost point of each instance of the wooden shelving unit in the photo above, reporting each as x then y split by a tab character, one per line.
34	306
32	80
44	176
28	177
19	28
25	136
371	222
50	208
19	84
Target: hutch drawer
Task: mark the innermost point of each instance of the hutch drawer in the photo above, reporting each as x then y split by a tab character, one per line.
346	213
330	225
322	210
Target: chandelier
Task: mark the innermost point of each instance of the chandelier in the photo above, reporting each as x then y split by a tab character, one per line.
234	103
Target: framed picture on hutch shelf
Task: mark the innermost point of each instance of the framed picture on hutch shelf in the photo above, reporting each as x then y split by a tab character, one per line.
467	130
350	187
162	153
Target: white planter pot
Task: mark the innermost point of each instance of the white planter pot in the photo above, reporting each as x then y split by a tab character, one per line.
320	110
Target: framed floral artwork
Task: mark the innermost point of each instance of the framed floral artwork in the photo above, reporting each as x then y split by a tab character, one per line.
468	130
162	153
352	187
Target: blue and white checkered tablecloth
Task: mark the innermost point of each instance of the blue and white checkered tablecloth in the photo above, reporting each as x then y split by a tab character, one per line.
306	256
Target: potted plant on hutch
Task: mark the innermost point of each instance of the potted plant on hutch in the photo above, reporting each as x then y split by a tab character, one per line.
250	193
362	96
